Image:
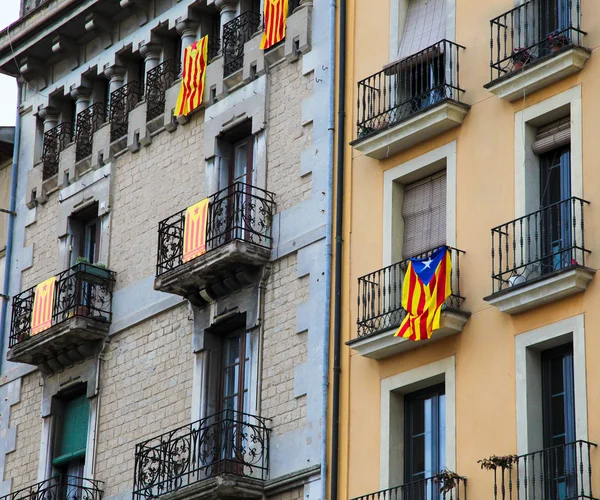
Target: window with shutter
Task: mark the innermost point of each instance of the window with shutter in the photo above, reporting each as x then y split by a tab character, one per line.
424	213
72	432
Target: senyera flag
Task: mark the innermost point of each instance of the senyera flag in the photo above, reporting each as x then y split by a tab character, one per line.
427	285
43	304
194	230
193	76
275	15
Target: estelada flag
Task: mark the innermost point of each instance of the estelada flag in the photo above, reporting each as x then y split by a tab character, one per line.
43	304
275	14
193	76
426	287
194	230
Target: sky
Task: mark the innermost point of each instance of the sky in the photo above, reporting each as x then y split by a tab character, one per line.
8	87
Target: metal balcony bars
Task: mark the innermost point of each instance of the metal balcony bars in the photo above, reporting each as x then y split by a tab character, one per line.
62	487
158	80
532	31
545	241
229	442
380	295
55	141
409	86
88	122
446	486
235	34
122	101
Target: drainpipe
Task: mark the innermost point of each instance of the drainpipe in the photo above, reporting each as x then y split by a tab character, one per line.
11	225
328	252
339	207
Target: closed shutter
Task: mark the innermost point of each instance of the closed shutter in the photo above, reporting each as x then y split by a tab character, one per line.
424	213
72	431
425	25
552	136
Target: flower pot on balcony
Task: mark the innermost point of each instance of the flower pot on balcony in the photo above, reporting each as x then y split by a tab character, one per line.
517	279
92	274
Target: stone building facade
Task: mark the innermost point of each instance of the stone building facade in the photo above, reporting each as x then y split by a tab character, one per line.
159	377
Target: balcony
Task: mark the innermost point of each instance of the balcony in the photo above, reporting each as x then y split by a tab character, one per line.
532	47
446	485
235	34
81	316
410	101
55	141
88	122
122	101
540	258
221	456
238	243
61	487
158	80
380	310
563	471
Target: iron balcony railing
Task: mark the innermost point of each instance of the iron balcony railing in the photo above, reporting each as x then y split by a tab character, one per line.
61	487
238	212
88	121
122	101
55	140
158	80
408	87
561	472
83	290
235	34
532	31
214	47
543	242
380	295
228	442
445	486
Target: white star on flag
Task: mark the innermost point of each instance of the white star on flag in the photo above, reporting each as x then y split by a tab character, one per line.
427	263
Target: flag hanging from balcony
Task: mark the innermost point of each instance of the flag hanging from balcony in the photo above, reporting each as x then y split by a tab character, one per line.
275	16
425	289
193	76
194	230
43	304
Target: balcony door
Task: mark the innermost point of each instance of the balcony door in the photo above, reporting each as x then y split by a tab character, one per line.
558	408
554	16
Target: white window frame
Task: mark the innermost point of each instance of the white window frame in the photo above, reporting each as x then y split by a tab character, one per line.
391	437
394	181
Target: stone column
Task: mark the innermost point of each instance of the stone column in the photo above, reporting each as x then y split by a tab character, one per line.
82	96
228	10
116	75
151	54
50	117
188	30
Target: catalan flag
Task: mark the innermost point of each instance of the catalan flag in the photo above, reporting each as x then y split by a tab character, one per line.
195	59
425	289
275	14
194	230
43	304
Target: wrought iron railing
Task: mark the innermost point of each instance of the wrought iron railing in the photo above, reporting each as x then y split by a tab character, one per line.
561	472
445	486
158	80
238	212
228	442
82	290
55	140
214	47
60	487
88	121
122	101
409	86
532	31
380	295
235	34
540	243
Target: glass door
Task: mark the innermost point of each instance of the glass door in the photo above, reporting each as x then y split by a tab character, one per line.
554	18
240	176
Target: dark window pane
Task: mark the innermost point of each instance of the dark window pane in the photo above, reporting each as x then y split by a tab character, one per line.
556	376
418	417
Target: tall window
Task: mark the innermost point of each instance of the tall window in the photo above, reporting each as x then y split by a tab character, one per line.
554	15
235	371
85	233
425	434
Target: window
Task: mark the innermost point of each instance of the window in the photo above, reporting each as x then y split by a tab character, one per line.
424	25
235	371
554	15
85	234
424	213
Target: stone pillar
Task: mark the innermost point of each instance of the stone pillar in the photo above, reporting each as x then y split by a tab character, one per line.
188	30
228	10
82	96
50	117
116	75
151	55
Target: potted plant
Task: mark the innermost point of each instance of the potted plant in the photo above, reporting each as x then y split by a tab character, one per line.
493	462
520	57
557	40
447	480
94	273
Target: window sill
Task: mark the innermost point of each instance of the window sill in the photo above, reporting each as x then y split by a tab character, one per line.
540	74
542	291
383	345
418	128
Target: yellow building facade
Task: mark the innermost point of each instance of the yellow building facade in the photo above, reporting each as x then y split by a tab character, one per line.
474	125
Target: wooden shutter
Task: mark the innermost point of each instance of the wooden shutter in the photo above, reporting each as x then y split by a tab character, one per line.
424	213
552	136
72	431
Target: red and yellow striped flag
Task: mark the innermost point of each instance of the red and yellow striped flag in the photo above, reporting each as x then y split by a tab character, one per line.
425	289
194	230
275	14
193	76
43	304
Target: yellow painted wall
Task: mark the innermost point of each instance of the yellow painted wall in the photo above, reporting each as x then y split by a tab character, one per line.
485	350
